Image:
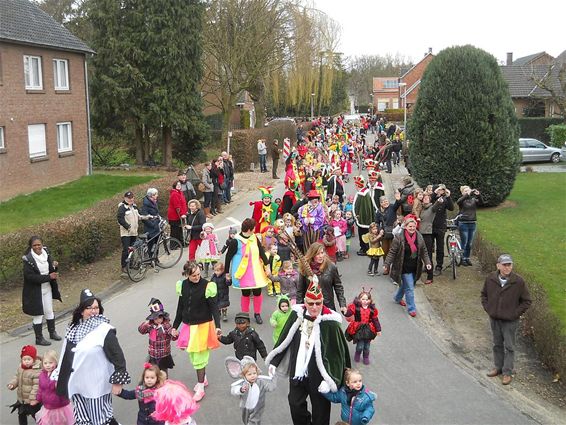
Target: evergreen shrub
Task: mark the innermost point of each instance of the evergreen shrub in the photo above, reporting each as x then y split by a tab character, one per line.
463	130
537	128
557	135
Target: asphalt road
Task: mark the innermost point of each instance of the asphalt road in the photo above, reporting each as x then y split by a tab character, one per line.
415	382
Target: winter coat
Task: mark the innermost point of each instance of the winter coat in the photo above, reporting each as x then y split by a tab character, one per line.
150	226
128	218
387	218
407	198
289	283
427	217
26	382
146	404
177	205
246	343
508	302
32	303
330	283
223	297
196	221
439	222
188	191
207	180
359	411
396	256
160	338
47	394
468	205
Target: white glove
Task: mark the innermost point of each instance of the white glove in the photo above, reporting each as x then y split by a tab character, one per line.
323	388
271	370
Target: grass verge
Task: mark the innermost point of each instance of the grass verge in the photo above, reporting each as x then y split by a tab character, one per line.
60	201
532	230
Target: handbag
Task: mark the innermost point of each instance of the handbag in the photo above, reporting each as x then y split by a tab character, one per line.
183	340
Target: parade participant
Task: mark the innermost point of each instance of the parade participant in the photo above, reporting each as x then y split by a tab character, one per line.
208	252
375	185
265	211
273	265
386	218
158	327
340	227
222	286
364	211
336	185
316	355
312	219
364	324
246	263
26	381
40	289
93	366
195	219
174	404
268	238
279	317
375	251
198	311
251	388
245	339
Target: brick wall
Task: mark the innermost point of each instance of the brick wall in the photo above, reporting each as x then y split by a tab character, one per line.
20	107
413	76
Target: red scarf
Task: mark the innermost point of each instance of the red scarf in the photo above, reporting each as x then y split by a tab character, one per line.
411	241
315	267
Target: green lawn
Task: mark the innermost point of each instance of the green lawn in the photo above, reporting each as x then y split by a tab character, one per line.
533	231
60	201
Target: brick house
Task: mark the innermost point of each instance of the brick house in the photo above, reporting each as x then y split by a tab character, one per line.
44	122
412	78
528	97
385	93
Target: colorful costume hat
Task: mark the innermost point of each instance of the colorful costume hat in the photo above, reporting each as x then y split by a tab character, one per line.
156	309
370	164
359	182
313	292
266	191
313	194
374	175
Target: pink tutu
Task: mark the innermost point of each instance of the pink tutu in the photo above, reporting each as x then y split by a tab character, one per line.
61	416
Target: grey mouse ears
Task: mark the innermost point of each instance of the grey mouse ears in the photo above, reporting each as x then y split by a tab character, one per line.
234	366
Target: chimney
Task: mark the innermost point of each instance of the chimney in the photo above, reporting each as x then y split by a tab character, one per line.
509	58
430	50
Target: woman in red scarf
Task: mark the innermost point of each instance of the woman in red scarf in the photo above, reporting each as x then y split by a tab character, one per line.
177	211
404	262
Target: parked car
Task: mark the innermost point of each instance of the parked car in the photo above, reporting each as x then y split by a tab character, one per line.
534	150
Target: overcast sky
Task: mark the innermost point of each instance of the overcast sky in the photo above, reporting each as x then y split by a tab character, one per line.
410	27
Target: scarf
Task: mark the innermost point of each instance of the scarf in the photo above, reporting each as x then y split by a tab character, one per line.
41	261
350	394
411	241
77	332
315	267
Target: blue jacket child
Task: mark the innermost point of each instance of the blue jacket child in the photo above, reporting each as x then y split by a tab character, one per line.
357	405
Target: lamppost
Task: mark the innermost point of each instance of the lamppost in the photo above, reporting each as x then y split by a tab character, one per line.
404	97
312	106
371	99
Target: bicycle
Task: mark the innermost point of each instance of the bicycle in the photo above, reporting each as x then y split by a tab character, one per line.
167	252
453	246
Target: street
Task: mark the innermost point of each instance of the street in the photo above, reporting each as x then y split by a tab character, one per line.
415	382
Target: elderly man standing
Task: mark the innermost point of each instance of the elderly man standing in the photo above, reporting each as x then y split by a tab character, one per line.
275	153
228	177
316	355
504	297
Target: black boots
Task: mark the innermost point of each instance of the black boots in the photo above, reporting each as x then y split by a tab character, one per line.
39	340
52	332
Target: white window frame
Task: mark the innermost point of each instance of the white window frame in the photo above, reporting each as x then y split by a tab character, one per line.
2	143
61	79
390	84
37	142
64	133
29	74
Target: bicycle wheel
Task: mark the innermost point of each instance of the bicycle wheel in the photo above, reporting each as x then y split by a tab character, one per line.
136	267
453	264
169	252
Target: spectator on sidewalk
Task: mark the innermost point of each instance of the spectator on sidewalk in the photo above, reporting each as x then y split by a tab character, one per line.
228	176
208	189
275	152
439	224
468	204
262	153
128	218
186	187
504	297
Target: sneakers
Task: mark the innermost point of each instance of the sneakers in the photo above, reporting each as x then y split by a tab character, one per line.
413	313
258	319
370	273
361	253
403	303
199	393
224	315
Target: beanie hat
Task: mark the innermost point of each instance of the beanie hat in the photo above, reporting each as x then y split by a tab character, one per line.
29	350
232	231
283	299
86	295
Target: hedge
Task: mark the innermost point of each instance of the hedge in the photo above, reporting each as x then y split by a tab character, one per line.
80	238
539	322
536	127
244	142
557	134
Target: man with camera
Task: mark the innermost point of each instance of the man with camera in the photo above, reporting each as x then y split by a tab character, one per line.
441	194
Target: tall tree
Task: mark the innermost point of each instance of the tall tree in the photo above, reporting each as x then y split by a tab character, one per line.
464	130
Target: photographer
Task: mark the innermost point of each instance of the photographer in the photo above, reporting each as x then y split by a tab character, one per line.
442	194
468	204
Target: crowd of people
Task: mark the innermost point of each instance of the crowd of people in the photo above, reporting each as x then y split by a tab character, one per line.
290	248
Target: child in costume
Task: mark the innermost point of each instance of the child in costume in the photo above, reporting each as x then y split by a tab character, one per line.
289	279
158	326
56	409
329	242
232	232
152	378
245	339
364	325
268	238
174	404
289	222
280	316
251	388
283	246
340	227
222	286
356	400
26	381
273	265
207	252
346	166
349	206
375	251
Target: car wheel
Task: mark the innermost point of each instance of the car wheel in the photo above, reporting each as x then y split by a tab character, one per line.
555	157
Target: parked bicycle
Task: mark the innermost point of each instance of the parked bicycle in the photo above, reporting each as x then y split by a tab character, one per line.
167	252
453	246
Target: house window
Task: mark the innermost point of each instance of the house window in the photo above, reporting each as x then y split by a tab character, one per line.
64	137
382	104
395	103
390	84
32	71
36	140
2	144
61	74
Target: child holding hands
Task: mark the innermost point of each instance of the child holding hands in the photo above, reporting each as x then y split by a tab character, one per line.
364	325
56	409
375	251
26	382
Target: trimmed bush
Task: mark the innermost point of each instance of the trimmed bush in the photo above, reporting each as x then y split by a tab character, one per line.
80	238
463	129
557	135
397	115
537	127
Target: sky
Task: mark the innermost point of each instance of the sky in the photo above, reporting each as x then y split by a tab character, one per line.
410	27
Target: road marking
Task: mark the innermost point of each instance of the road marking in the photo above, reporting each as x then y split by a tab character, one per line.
234	222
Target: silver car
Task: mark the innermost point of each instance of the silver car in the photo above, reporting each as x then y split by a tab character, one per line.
534	150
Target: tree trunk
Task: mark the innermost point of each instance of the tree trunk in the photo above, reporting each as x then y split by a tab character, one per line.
228	107
139	145
147	152
167	146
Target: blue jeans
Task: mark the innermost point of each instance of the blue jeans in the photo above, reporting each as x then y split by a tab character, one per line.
467	232
263	162
363	346
407	288
227	195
